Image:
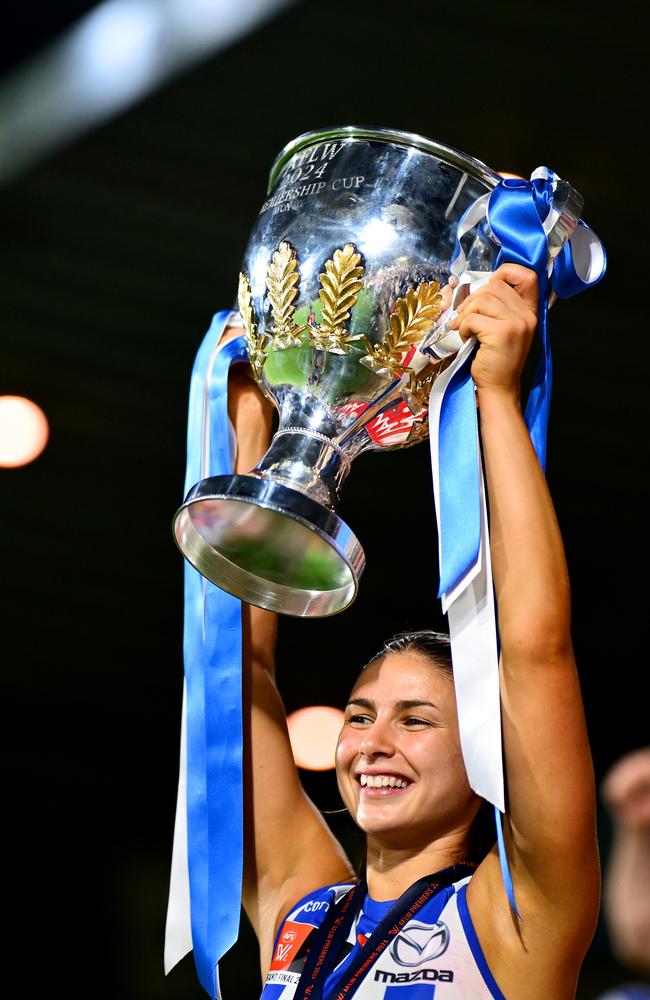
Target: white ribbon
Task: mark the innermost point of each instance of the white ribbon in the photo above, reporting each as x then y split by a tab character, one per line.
470	605
178	928
472	629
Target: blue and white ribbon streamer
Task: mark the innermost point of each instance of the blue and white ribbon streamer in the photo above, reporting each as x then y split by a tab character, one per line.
206	876
521	217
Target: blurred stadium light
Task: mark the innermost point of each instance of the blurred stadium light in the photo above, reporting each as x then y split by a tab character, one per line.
112	57
23	431
314	733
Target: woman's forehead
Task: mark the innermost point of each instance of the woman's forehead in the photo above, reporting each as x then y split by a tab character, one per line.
403	676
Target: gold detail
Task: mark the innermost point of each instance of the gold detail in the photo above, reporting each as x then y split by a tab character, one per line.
414	316
419	431
416	393
341	282
255	343
282	282
385	367
245	300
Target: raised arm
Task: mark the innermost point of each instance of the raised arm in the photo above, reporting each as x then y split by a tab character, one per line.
550	830
289	850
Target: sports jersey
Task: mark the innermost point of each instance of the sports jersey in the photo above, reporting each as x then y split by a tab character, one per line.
436	955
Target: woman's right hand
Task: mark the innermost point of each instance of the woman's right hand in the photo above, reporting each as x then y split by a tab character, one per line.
502	315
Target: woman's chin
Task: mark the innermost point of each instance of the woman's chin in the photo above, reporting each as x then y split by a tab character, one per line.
380	823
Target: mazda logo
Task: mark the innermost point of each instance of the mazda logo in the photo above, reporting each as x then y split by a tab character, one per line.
420	943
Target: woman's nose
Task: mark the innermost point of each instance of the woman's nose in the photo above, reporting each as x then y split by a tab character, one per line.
376	740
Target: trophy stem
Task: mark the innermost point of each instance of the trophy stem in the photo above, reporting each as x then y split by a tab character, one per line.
306	460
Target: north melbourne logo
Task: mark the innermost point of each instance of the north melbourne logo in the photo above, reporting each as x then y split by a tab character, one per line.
420	943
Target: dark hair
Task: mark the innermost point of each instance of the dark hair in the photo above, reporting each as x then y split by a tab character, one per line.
436	647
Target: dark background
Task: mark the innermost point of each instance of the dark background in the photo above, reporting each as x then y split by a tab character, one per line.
115	253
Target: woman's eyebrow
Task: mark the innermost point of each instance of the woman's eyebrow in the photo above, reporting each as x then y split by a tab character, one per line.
364	702
403	705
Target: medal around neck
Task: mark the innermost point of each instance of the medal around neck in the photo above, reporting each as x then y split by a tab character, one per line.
345	294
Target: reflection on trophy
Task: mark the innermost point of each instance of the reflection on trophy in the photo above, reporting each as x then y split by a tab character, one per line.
344	296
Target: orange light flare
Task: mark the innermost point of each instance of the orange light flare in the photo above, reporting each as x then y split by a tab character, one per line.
23	431
313	732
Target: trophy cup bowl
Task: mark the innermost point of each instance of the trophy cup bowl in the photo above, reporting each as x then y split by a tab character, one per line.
343	293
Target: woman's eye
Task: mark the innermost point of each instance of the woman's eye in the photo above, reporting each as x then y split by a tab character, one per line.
412	721
359	719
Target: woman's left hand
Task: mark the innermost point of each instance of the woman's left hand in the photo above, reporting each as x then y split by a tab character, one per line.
502	315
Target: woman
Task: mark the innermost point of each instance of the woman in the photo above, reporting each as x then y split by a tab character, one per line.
400	769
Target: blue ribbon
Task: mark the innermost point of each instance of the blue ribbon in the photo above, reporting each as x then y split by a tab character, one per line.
516	213
503	862
212	654
459	479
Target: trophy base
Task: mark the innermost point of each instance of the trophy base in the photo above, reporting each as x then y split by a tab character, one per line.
270	545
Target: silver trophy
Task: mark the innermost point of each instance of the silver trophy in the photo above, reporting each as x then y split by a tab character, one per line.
345	296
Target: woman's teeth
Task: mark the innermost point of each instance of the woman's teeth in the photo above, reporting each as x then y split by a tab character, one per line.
382	781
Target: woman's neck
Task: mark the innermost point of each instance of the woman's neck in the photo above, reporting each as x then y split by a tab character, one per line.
390	870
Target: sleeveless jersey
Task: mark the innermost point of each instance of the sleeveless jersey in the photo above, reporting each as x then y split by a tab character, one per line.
435	959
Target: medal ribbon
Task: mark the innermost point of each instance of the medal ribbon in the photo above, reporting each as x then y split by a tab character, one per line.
205	889
330	937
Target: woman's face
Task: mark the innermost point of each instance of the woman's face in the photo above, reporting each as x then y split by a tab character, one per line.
398	760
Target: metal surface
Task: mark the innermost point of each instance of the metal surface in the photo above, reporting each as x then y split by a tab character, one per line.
346	272
253	534
409	139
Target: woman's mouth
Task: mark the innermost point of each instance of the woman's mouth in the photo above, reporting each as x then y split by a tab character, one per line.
381	785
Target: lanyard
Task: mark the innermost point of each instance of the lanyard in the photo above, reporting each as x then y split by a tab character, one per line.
333	932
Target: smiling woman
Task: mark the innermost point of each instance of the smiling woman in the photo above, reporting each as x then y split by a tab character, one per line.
386	737
432	908
390	745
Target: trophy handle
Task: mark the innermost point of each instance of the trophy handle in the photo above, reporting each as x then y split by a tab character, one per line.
563	217
565	214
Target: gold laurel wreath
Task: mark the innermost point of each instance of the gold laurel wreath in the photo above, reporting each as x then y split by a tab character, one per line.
254	342
413	316
341	282
282	280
